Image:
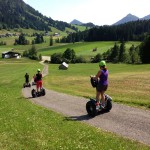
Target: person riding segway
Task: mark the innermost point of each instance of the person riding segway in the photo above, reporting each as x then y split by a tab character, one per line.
100	82
38	80
40	91
26	84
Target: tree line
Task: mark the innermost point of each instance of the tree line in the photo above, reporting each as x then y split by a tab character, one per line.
131	31
117	54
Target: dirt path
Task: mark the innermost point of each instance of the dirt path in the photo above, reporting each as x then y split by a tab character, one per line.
126	121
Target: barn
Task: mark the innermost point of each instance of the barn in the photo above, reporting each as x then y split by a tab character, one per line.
11	54
64	66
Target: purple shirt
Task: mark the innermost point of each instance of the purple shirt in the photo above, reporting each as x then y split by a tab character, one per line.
103	77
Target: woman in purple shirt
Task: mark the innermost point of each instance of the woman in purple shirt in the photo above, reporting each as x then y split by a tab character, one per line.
102	77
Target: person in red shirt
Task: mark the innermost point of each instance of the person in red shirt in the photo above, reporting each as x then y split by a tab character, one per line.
38	80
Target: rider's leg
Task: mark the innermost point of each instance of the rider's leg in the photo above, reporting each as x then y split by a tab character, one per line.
40	85
37	86
98	96
103	98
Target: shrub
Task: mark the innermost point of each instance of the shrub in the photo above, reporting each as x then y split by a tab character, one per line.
56	58
69	55
97	58
80	59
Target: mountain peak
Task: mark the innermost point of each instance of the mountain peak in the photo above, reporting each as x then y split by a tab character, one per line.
126	19
75	21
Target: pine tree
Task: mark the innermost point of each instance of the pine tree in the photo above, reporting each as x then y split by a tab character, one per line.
145	50
51	41
114	57
122	54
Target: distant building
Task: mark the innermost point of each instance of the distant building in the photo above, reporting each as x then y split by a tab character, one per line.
56	34
11	54
46	58
64	66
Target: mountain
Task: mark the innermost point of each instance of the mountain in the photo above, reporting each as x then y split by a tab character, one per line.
146	17
76	22
126	19
89	24
16	14
130	18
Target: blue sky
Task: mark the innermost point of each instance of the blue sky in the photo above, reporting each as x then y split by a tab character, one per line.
99	12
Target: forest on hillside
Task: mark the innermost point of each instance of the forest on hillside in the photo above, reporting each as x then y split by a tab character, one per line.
131	31
17	14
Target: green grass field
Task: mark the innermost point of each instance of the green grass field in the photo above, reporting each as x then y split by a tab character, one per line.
83	49
128	84
25	125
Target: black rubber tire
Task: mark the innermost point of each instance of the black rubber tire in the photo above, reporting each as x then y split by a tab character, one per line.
109	106
43	92
29	85
91	108
33	92
24	85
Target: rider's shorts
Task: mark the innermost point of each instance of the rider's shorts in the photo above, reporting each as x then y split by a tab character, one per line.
101	88
39	84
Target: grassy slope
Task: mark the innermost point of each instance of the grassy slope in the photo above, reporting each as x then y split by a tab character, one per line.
28	126
128	84
84	49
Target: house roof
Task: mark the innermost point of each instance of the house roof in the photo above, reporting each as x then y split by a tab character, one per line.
10	52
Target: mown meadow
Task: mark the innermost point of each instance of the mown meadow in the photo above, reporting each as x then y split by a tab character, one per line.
128	84
25	125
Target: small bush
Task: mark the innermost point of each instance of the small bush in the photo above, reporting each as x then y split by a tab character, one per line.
56	58
80	59
97	58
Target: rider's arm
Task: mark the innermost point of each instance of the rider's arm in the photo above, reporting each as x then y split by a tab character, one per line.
98	74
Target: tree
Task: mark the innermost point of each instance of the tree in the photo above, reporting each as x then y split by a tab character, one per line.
21	40
56	58
32	53
145	50
39	39
114	56
122	52
51	41
40	57
70	55
97	58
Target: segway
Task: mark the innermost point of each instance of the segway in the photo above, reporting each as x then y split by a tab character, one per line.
91	107
37	94
26	85
93	110
33	83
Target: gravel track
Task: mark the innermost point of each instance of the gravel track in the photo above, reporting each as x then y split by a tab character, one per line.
129	122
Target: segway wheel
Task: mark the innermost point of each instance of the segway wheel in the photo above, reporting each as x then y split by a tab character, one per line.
33	92
24	85
43	92
91	108
29	85
108	106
